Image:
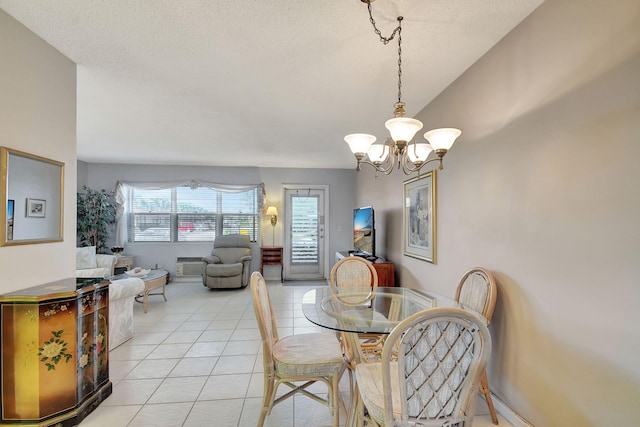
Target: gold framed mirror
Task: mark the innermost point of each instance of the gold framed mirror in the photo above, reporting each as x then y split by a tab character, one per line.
32	193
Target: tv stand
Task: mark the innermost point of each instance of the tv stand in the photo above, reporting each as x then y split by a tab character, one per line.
384	268
364	255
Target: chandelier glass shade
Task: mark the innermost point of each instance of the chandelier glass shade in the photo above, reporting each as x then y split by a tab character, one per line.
403	128
401	150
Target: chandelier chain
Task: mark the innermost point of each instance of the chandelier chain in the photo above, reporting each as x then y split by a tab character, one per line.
400	59
386	40
383	39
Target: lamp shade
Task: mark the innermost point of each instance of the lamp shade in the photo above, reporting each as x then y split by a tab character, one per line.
442	139
403	128
418	152
271	210
378	153
359	142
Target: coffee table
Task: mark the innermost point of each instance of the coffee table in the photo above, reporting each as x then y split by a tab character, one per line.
155	279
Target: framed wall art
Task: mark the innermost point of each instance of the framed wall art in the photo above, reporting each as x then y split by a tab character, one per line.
420	217
36	208
10	212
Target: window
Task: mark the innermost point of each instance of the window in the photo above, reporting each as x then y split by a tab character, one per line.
182	214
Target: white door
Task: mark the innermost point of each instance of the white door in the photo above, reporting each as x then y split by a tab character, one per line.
304	249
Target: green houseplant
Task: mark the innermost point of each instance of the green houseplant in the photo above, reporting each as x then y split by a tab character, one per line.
96	212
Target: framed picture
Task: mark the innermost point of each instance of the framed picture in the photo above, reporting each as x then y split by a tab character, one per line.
36	208
420	217
10	211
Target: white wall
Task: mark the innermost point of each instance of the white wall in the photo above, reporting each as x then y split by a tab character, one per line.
341	200
543	189
38	116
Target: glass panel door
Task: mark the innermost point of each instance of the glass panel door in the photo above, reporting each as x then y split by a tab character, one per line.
304	241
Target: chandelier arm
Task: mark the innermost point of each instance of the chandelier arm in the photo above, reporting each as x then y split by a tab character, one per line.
409	170
385	170
390	161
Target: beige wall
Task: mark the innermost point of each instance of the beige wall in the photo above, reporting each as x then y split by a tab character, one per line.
544	190
38	115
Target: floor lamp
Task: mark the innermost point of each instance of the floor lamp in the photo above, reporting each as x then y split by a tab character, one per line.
271	210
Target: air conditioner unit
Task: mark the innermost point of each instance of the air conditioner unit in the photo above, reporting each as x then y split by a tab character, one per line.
189	266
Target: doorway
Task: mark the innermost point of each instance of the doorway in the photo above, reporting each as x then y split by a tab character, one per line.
305	225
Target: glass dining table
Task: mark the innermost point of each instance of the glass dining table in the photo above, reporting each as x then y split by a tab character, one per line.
386	308
351	317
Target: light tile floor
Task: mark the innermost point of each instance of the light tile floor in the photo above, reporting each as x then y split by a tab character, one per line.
196	360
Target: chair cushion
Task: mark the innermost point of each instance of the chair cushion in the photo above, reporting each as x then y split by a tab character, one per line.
224	270
231	255
86	257
369	380
305	354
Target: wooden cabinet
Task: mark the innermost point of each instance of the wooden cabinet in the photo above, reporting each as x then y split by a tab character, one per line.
386	273
272	255
385	269
54	352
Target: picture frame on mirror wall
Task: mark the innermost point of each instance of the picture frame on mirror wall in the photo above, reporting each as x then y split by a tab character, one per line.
36	208
10	213
419	213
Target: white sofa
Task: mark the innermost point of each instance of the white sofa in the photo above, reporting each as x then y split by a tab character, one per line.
90	265
121	300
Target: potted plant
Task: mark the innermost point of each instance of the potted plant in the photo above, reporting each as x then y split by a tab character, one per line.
96	212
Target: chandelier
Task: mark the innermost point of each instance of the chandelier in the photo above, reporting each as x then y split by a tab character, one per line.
401	148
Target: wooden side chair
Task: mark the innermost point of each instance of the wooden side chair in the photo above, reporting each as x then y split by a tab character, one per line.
307	358
477	291
441	354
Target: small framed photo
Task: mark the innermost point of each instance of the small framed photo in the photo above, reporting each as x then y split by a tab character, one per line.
10	211
420	217
36	208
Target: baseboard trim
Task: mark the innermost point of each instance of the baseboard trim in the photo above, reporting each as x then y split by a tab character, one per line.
509	414
185	279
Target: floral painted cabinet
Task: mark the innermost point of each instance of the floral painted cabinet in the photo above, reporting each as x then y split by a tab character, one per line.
54	353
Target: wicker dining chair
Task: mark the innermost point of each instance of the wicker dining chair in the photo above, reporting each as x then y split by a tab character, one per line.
354	281
307	358
477	291
441	354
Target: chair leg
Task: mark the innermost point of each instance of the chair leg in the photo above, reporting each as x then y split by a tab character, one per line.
335	398
484	390
267	400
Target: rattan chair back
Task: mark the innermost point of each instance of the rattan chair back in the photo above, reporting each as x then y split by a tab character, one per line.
353	280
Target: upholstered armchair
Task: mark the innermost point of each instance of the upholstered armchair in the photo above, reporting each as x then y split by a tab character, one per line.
229	263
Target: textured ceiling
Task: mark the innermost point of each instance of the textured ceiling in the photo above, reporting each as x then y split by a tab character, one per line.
271	83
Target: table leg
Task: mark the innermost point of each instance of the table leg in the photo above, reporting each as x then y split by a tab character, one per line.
149	286
164	288
145	300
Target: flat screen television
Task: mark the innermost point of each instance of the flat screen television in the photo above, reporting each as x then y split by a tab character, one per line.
364	236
